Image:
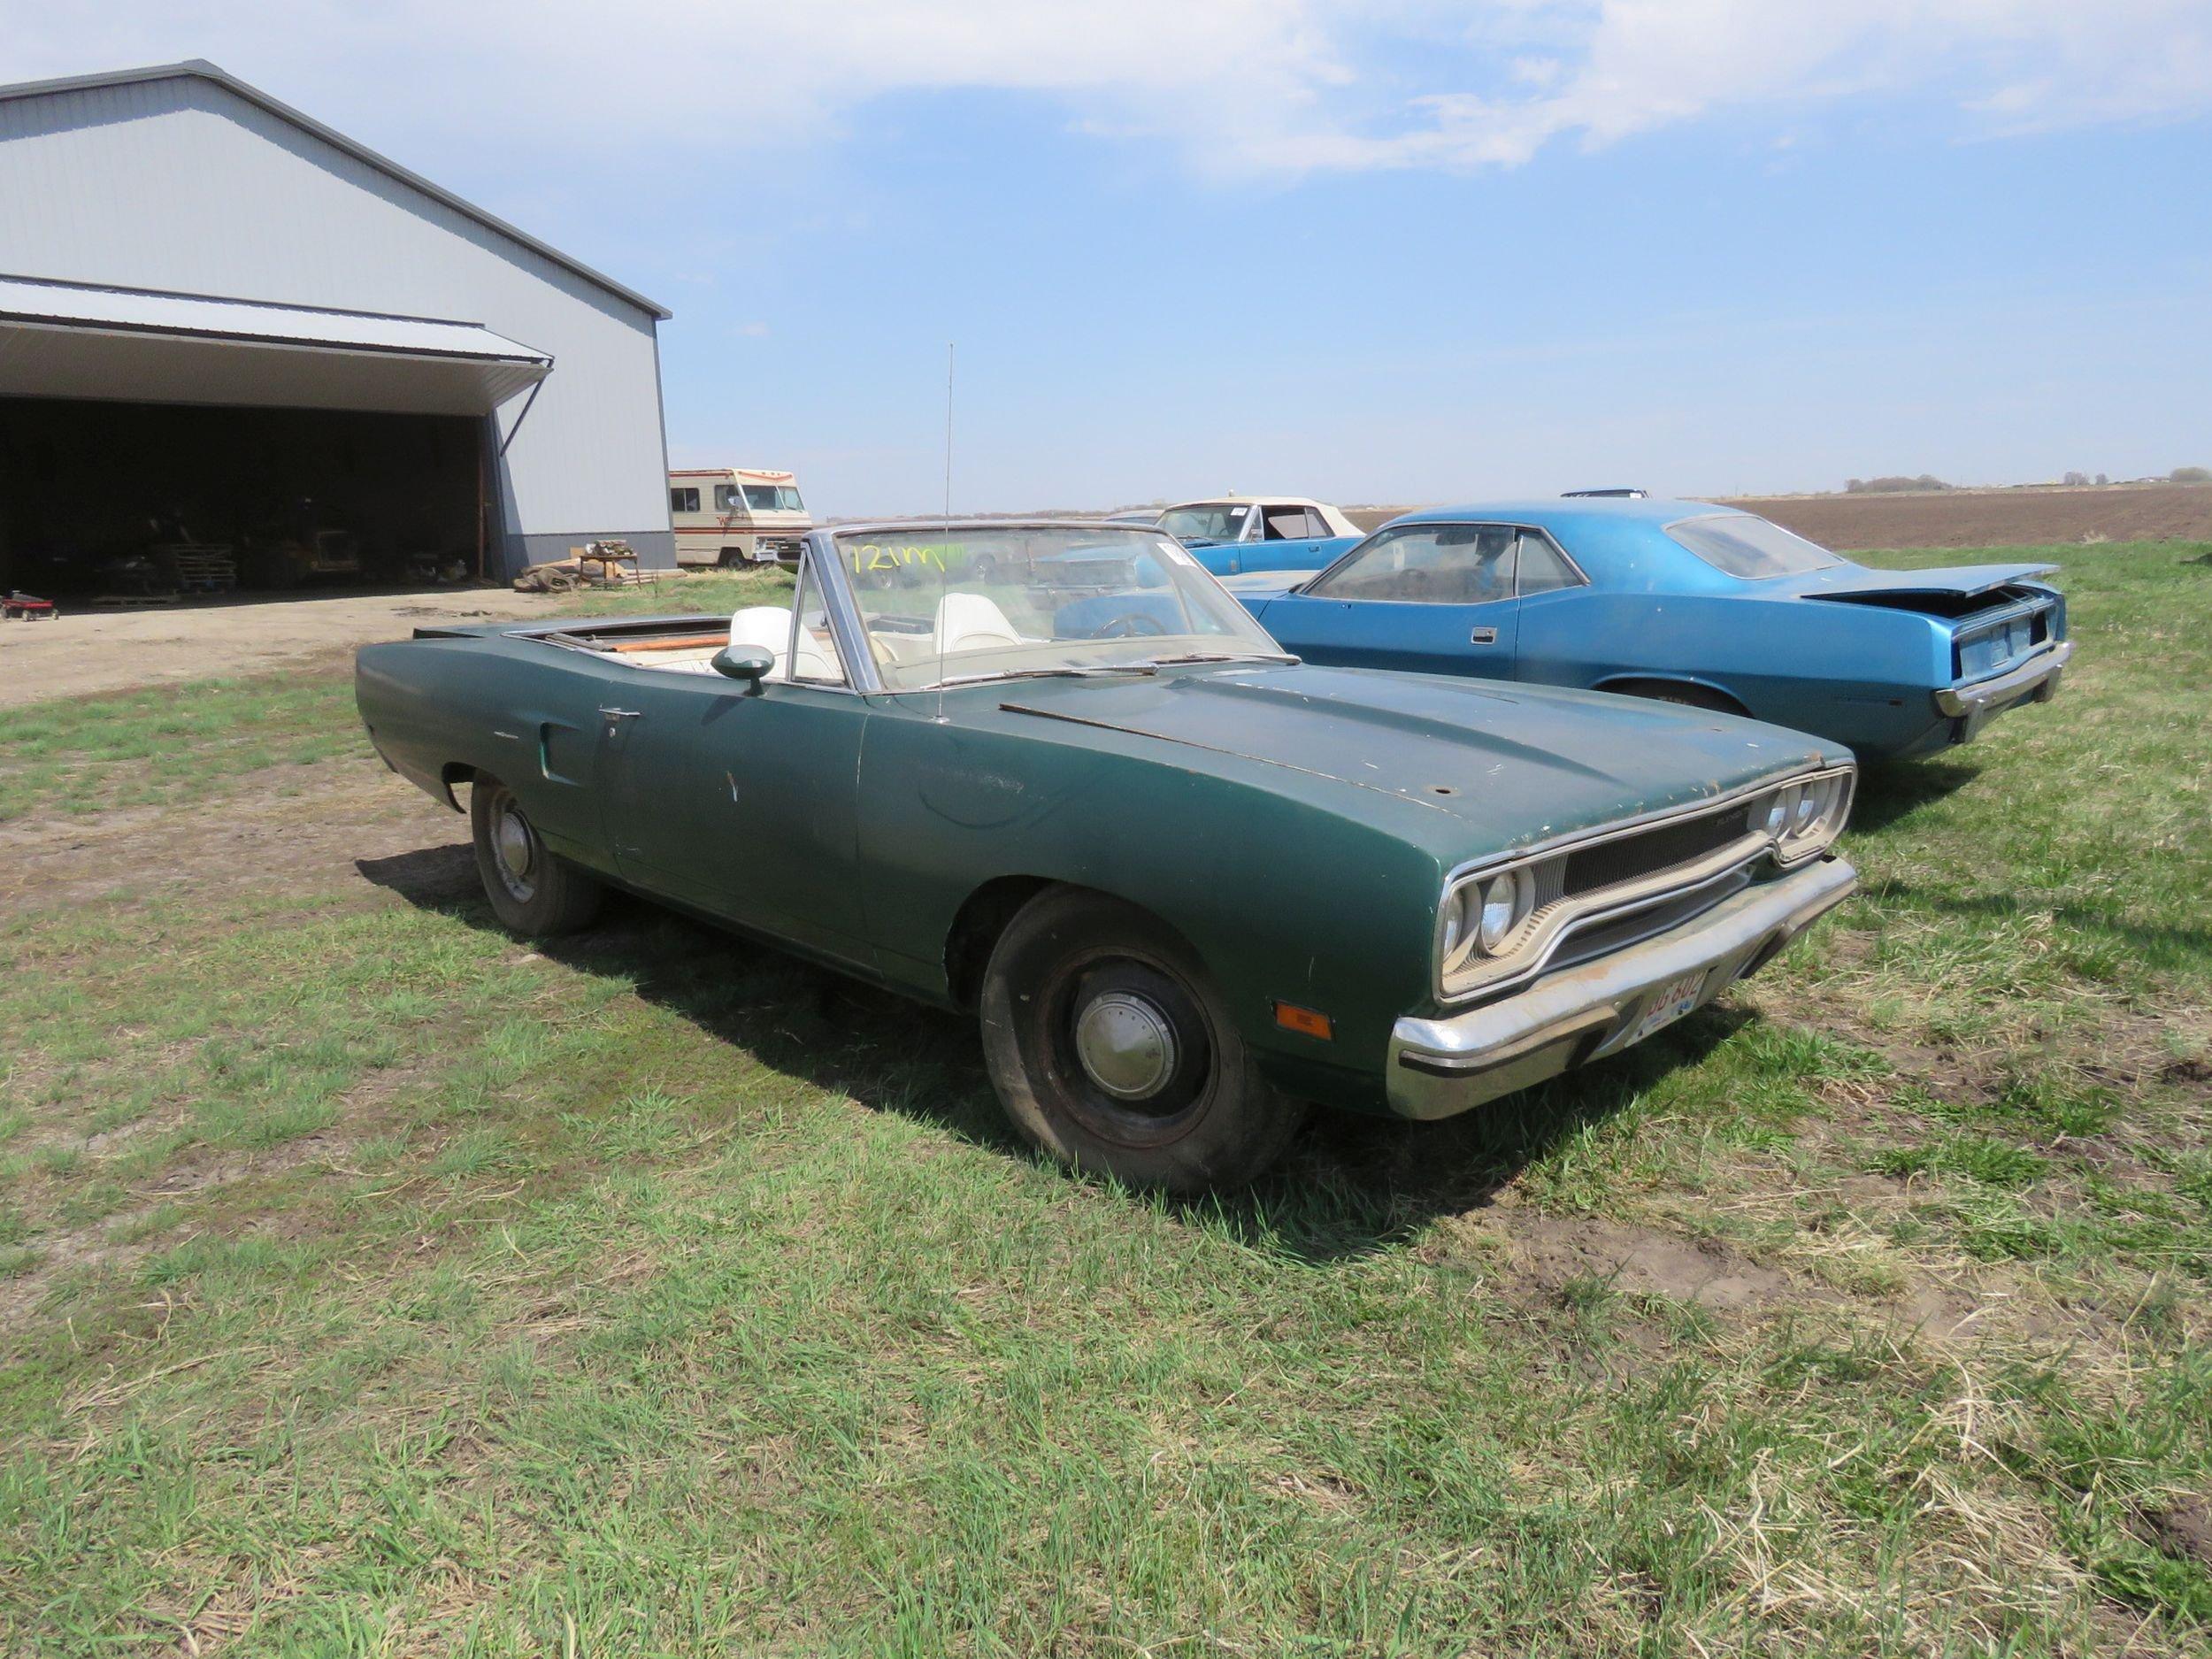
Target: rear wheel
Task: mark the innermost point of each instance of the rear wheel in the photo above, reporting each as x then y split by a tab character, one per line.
534	890
1111	1050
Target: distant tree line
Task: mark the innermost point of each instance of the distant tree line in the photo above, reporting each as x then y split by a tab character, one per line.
1890	486
1896	482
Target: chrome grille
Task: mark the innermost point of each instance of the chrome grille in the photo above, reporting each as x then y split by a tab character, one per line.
1630	858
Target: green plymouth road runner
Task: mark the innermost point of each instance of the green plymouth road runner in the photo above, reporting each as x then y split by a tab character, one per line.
1187	883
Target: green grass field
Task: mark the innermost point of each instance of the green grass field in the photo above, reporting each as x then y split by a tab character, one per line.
371	1282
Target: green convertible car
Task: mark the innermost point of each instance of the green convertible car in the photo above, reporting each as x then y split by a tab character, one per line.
1187	883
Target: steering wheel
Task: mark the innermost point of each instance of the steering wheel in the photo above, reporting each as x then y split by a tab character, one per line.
1131	624
1414	580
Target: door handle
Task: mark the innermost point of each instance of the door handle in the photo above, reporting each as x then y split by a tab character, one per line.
1483	636
613	715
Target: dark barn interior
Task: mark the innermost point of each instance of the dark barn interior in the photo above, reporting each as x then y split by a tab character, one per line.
149	501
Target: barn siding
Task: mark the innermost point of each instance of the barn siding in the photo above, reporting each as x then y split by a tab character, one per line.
181	184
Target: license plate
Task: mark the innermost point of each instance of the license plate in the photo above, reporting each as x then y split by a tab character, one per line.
1676	997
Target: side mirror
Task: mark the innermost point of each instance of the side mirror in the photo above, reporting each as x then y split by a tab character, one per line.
748	663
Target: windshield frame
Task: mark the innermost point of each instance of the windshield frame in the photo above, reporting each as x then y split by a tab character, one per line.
1246	513
776	493
1252	644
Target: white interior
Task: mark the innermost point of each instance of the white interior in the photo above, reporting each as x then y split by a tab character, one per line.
964	622
756	627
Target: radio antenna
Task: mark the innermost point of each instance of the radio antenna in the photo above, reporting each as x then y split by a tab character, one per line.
944	552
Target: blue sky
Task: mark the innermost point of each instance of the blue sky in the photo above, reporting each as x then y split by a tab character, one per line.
1378	253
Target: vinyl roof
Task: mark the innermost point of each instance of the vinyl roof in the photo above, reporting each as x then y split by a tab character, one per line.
200	69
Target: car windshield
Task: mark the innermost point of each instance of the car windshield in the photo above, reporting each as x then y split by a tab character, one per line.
1207	521
1743	544
773	498
1008	602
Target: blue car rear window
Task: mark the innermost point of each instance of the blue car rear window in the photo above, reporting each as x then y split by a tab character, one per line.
1750	547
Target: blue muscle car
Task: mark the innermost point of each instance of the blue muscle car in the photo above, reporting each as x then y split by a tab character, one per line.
1687	603
1236	534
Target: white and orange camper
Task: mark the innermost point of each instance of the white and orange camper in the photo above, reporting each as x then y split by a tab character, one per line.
731	516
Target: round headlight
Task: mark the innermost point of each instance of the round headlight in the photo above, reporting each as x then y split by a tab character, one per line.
1810	800
1501	910
1779	807
1456	905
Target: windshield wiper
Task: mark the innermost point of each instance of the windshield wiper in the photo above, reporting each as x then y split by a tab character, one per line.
1045	673
1223	657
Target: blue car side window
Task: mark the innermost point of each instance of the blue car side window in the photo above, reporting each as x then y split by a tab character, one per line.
1543	569
1428	564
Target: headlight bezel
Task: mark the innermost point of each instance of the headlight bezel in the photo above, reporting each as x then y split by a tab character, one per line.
1813	810
1545	915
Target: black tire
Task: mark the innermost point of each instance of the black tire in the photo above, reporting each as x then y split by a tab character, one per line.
533	891
732	558
1205	1117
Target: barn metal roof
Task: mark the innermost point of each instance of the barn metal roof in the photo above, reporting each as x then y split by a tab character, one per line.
199	68
74	339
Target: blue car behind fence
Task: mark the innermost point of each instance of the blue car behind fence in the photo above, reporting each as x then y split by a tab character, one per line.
1687	601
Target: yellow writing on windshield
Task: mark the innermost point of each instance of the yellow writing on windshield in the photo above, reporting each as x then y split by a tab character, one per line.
875	556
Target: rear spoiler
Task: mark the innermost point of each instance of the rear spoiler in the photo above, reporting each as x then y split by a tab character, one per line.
1961	581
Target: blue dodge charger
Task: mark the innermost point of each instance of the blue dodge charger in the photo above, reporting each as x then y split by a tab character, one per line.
1686	602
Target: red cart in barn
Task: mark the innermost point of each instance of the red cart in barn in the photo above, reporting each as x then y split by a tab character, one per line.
27	607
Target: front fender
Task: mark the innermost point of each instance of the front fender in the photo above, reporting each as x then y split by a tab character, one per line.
1283	896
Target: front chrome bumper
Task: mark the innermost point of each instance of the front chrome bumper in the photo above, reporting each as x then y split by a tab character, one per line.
2035	679
1437	1067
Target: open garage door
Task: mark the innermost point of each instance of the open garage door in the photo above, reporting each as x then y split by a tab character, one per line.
158	446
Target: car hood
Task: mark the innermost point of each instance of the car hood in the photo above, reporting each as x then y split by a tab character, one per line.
1519	762
1855	581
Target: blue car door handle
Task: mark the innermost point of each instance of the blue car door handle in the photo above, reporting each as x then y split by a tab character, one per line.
1483	636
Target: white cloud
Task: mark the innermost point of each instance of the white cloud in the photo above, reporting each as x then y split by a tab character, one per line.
1240	87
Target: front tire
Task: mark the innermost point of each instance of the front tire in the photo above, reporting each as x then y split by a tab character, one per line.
534	890
1111	1049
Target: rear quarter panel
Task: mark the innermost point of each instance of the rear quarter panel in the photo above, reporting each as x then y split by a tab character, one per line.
519	709
1863	677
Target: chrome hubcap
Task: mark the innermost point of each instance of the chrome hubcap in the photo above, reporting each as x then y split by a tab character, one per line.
1126	1045
518	851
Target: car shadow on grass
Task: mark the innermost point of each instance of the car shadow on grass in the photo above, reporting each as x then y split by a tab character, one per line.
1899	788
2159	944
1352	1184
1355	1184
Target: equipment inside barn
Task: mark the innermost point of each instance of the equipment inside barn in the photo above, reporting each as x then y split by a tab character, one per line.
149	502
